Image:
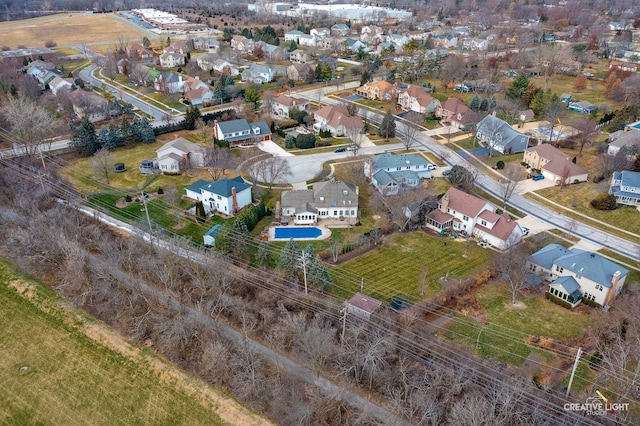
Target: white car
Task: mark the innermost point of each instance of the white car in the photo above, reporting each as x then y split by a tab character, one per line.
352	148
525	231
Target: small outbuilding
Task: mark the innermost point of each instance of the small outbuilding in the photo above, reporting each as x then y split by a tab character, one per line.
363	306
119	168
211	235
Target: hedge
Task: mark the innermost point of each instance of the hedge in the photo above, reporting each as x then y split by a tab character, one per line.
557	300
591	303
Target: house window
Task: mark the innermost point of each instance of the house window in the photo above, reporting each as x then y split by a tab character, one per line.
532	267
335	212
341	213
559	269
353	212
219	197
483	222
465	218
334	203
399	168
599	287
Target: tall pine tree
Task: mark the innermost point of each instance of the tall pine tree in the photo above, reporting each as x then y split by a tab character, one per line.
475	103
290	259
85	139
388	126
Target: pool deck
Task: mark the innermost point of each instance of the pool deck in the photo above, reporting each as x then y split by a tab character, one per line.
323	226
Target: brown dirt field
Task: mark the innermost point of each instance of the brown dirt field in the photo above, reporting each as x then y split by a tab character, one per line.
65	30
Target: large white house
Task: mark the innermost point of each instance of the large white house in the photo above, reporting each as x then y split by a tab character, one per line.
327	200
462	212
391	174
282	104
577	274
625	186
226	196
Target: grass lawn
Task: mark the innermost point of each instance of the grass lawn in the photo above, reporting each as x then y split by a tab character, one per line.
504	335
396	267
81	372
160	98
577	197
66	30
67	51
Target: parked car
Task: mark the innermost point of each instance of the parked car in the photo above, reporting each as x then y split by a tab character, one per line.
352	148
432	167
525	231
484	244
537	176
339	149
446	172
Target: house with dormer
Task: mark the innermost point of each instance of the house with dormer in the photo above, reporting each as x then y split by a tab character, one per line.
499	136
576	274
241	132
227	196
282	104
242	44
392	174
554	164
369	33
172	58
625	186
456	113
461	212
320	33
380	90
257	74
627	140
332	199
414	98
336	119
138	52
168	82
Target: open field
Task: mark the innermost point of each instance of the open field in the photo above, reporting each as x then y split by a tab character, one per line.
66	30
504	335
397	266
78	371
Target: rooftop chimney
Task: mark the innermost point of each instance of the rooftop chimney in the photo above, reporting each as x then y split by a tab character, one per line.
234	200
444	203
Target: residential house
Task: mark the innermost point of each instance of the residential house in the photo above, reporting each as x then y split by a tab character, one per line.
398	40
474	44
283	104
299	56
257	74
179	46
331	199
197	92
171	59
578	274
499	136
627	140
242	44
625	186
241	132
169	82
320	33
444	41
211	235
293	35
124	66
138	52
392	174
43	75
308	40
340	30
418	35
369	33
219	65
457	114
274	53
336	119
462	212
623	66
301	72
414	98
330	43
143	75
89	105
363	306
59	84
380	90
554	164
583	106
178	155
29	53
205	43
328	59
227	196
354	45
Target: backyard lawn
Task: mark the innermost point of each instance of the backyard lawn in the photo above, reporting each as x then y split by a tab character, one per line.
504	336
397	266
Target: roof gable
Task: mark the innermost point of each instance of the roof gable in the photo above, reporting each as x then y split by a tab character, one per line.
464	203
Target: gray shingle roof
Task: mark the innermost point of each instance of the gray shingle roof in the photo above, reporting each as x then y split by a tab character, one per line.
547	255
591	265
223	186
384	161
570	286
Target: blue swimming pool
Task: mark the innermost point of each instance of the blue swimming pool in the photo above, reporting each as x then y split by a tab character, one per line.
637	125
297	232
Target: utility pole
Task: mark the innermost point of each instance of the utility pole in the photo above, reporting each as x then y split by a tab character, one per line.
304	272
146	211
573	371
344	321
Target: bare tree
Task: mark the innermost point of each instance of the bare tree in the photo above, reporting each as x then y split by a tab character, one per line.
509	182
411	132
29	122
586	128
220	160
397	206
554	113
452	69
357	137
512	266
204	130
102	162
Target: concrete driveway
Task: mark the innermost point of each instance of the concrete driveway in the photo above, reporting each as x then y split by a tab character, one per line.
274	149
530	185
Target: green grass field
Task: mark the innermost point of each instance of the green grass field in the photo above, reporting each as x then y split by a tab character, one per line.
70	378
397	266
504	335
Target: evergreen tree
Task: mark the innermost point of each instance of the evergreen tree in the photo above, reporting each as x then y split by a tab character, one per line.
252	96
318	275
366	77
191	116
539	103
388	126
114	138
484	105
126	133
290	259
293	46
475	103
240	238
519	86
493	103
264	256
85	139
143	131
103	136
